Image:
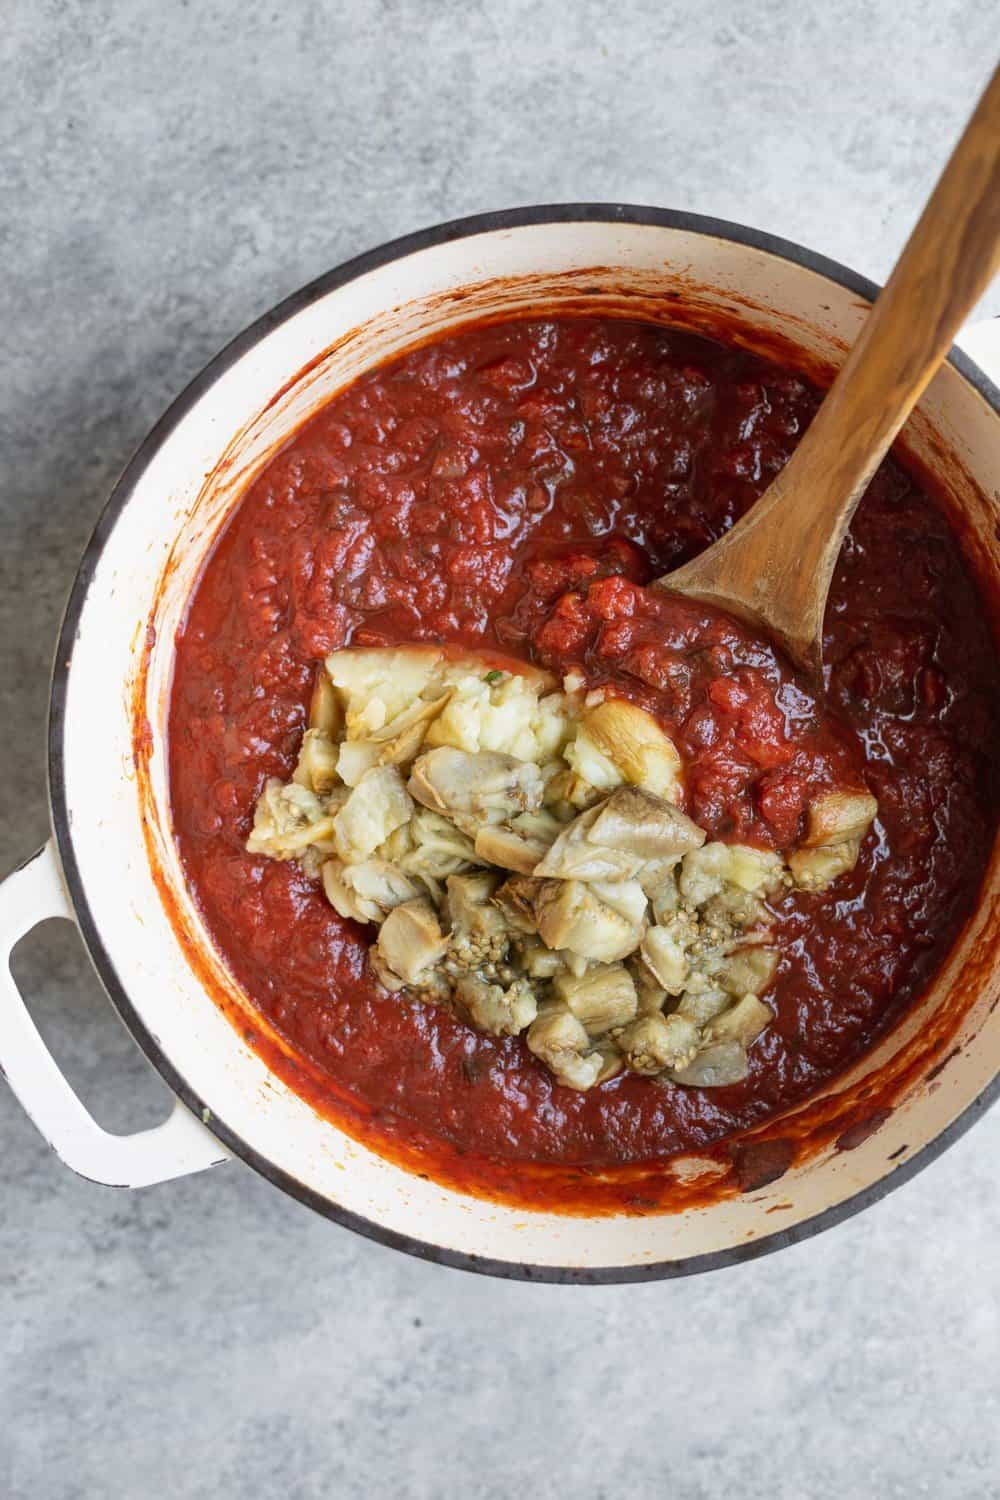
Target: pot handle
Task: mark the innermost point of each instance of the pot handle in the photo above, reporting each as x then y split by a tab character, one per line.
981	342
179	1146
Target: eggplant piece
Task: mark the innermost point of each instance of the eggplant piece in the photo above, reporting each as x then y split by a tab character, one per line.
649	826
815	869
559	1040
287	820
411	941
509	850
742	1022
325	711
516	899
499	1010
714	1067
654	1043
601	999
438	849
576	856
601	920
634	742
316	767
749	970
702	1001
838	817
479	935
366	892
707	871
377	806
666	957
487	785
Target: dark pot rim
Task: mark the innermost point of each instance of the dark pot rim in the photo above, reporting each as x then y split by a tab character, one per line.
424	239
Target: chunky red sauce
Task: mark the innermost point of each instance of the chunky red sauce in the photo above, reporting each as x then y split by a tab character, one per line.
511	488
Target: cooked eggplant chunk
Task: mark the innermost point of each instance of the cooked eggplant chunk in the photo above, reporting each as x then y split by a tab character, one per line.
576	856
494	1009
749	969
645	825
483	785
702	1001
480	938
612	1062
602	998
837	825
509	850
742	1022
633	741
837	817
651	996
398	741
714	1067
598	921
287	819
325	712
653	1043
368	891
815	869
411	941
658	878
666	957
437	848
619	836
354	759
560	1041
707	871
516	898
317	763
377	806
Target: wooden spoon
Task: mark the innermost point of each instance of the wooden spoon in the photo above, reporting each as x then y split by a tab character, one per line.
773	569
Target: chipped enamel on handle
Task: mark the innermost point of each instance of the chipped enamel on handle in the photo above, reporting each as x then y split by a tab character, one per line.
177	1147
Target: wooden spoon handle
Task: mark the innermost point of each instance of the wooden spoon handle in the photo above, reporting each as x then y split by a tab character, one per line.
784	551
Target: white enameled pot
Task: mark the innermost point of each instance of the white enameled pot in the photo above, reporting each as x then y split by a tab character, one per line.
112	866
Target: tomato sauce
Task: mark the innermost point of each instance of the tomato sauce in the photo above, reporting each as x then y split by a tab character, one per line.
512	488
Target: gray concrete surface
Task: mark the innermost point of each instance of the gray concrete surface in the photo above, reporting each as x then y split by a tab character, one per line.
168	171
